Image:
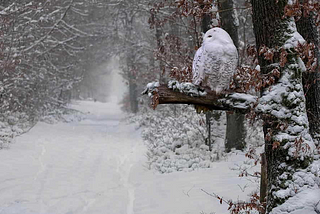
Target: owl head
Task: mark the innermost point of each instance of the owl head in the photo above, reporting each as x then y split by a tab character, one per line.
217	35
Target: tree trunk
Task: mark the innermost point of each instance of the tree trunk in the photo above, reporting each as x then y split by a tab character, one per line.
235	133
205	22
228	19
133	95
311	80
208	122
160	47
263	180
288	145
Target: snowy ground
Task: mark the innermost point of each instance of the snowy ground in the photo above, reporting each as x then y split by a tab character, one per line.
97	166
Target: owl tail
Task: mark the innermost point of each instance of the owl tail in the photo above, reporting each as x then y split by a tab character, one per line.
200	109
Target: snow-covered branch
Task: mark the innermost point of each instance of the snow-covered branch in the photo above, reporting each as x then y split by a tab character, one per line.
187	93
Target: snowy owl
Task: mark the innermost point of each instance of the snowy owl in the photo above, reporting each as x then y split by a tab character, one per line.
215	61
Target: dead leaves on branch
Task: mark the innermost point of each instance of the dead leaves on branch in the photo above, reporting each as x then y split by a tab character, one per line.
307	54
175	55
247	79
195	8
278	58
274	55
240	206
180	8
183	74
301	147
304	9
154	100
174	51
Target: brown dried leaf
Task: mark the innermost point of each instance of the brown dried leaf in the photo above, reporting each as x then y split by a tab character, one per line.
275	145
283	58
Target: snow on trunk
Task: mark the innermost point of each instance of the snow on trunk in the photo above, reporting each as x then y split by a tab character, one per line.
292	171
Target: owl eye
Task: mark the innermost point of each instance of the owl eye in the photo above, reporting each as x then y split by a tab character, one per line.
209	36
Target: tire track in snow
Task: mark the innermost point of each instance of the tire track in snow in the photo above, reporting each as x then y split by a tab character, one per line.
127	185
130	186
80	168
43	170
125	163
42	165
96	164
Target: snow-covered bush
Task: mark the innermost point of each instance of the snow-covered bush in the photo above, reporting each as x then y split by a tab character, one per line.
12	125
176	138
62	115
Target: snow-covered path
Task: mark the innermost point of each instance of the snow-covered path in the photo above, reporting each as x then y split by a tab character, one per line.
97	166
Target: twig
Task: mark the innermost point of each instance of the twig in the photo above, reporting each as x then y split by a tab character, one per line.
216	196
188	191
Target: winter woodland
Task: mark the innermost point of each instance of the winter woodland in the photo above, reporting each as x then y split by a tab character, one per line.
130	96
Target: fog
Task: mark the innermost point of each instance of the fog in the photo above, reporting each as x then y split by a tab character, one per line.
116	83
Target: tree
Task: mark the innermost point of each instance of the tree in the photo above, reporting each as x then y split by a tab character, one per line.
288	145
235	135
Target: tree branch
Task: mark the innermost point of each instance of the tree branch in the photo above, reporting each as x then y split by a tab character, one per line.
187	93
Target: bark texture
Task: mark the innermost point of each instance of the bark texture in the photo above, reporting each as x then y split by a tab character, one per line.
311	80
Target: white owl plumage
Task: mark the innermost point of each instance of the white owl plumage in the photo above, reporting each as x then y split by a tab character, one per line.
215	61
